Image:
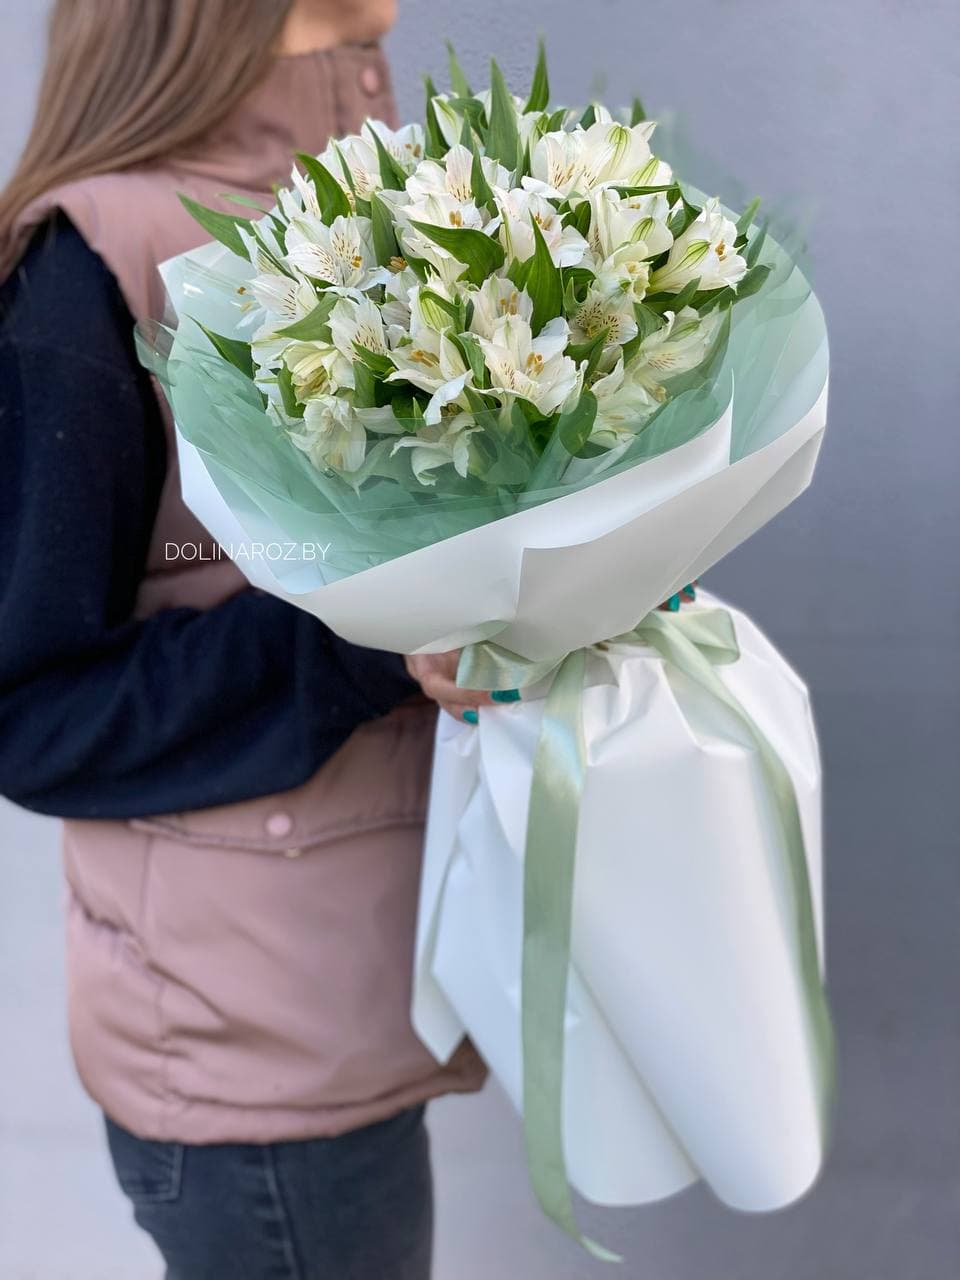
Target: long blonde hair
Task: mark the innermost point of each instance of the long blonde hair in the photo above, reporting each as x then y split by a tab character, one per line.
127	82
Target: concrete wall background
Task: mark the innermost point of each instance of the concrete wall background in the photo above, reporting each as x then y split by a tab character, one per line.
851	105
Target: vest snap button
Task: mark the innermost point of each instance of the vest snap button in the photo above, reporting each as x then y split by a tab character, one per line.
292	853
370	80
279	824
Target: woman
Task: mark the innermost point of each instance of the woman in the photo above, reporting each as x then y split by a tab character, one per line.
244	792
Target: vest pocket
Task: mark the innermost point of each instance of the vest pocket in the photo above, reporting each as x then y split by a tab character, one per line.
148	1172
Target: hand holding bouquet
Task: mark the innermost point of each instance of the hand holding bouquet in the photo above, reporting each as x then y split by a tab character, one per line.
515	384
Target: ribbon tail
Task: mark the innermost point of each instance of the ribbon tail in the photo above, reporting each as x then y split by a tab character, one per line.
549	863
675	647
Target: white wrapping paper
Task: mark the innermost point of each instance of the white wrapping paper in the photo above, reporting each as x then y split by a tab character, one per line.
686	1050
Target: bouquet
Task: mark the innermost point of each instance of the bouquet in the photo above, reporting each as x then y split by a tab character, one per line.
503	382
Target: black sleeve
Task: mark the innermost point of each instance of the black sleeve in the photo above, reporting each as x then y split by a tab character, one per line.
102	715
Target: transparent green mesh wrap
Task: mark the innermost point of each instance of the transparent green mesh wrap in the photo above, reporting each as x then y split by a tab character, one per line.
770	356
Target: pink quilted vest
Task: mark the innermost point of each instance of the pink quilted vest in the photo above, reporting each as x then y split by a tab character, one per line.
242	973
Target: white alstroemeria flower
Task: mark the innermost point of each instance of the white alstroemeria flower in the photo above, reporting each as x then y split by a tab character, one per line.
605	154
441	209
680	345
599	312
625	272
449	119
437	444
453	176
359	155
430	360
358	152
518	210
617	220
332	436
623	406
405	144
705	251
356	322
285	300
342	254
497	297
556	163
534	368
314	368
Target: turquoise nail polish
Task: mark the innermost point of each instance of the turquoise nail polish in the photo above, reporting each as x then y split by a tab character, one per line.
691	590
673	604
506	695
471	716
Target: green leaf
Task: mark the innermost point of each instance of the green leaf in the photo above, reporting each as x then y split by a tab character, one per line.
232	350
648	321
637	113
378	364
574	426
473	355
314	327
753	281
364	385
384	236
448	308
503	135
480	254
579	218
588	352
392	174
540	89
518	271
745	221
292	406
482	191
544	283
458	81
436	146
222	226
246	201
589	117
330	195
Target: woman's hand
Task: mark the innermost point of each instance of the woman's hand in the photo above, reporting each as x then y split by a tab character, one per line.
436	673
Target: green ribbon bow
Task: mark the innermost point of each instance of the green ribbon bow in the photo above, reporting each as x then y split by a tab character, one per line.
693	643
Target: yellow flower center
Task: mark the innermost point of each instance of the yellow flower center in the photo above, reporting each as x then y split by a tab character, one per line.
456	218
424	357
534	363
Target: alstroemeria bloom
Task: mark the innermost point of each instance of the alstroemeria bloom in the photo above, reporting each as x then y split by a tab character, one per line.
283	301
314	368
358	153
437	444
617	220
623	406
606	153
341	254
601	312
430	360
680	345
704	251
497	297
355	322
519	209
332	435
534	368
453	176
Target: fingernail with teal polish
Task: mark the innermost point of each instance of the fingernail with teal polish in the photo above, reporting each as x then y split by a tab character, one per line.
673	604
471	716
691	590
506	695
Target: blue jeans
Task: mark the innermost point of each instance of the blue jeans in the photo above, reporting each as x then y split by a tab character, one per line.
356	1207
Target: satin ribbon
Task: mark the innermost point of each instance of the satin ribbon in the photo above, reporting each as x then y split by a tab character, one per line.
693	643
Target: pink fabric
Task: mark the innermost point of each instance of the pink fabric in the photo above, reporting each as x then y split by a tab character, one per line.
242	974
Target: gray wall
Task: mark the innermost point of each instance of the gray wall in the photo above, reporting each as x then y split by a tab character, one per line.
854	106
